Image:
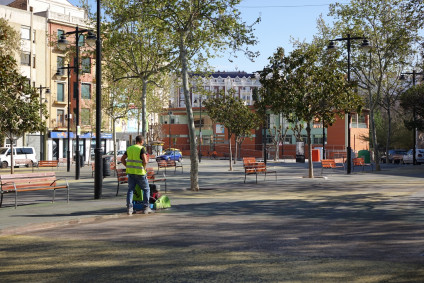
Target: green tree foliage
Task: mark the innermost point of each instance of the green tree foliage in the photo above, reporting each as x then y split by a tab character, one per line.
392	27
196	30
412	101
147	54
9	39
19	103
234	115
306	85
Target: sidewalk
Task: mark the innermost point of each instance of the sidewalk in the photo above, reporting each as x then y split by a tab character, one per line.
35	210
362	227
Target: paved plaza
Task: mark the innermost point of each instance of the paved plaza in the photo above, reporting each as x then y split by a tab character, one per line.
362	227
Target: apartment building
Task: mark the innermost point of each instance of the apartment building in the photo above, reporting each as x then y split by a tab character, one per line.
41	23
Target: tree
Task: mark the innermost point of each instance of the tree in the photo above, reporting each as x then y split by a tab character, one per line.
299	84
196	29
234	115
412	102
147	54
19	103
9	39
392	26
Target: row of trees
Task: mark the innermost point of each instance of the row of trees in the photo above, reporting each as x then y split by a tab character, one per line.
147	40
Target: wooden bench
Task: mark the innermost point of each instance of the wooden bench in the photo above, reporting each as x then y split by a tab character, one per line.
151	176
122	177
359	161
330	164
169	163
14	183
48	163
252	167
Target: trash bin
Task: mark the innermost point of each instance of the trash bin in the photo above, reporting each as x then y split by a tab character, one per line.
106	166
366	155
300	152
316	155
81	161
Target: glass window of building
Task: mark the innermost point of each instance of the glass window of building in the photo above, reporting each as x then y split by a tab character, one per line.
85	91
26	59
86	65
25	33
60	63
85	116
60	118
60	92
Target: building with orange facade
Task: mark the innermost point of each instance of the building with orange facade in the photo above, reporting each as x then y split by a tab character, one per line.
214	137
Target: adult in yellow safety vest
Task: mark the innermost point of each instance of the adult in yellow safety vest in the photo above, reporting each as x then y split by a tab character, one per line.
135	160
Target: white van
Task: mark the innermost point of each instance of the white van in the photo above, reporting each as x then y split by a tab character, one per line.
22	156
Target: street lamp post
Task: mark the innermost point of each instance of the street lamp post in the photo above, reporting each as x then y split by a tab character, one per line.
42	135
402	77
62	43
68	152
332	47
98	173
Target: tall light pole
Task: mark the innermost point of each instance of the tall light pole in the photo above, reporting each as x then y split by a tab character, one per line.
414	150
42	135
68	152
332	47
62	44
98	173
169	127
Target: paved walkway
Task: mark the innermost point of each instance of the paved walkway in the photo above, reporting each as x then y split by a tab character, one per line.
362	227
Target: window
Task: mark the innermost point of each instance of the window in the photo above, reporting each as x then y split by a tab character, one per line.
59	33
86	65
25	59
60	64
85	116
33	61
81	40
60	92
86	91
25	33
60	117
318	139
75	91
288	139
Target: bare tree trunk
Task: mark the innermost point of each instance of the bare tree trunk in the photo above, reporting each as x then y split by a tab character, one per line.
311	165
231	152
194	181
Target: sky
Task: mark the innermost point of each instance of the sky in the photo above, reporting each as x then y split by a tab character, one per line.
281	20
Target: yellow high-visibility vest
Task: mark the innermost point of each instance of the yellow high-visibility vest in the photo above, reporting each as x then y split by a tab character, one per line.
134	162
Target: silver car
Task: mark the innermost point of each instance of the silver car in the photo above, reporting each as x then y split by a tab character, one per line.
408	157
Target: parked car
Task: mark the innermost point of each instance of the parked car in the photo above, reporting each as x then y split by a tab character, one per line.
174	154
395	156
408	157
22	156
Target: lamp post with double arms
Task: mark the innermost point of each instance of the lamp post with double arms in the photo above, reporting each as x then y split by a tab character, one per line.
414	149
62	43
68	152
42	135
332	47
